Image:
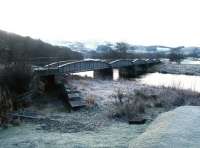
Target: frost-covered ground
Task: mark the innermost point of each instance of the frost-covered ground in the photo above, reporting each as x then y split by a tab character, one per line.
27	136
178	128
103	90
90	127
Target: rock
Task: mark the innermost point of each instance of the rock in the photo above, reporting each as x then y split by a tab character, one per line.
16	122
179	128
137	120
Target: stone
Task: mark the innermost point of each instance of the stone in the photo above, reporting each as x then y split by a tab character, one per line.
137	120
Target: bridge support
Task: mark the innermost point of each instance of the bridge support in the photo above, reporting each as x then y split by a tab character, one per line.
104	73
132	71
141	69
48	82
127	72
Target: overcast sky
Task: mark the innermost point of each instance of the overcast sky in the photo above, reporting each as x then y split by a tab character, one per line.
144	22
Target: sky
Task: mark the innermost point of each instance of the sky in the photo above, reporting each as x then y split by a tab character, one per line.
139	22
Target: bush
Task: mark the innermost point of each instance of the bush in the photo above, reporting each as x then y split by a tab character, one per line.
14	81
173	97
127	105
90	101
131	104
16	78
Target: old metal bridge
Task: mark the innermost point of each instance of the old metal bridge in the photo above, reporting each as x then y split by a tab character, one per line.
91	65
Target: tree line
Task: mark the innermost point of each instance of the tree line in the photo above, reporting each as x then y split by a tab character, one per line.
122	50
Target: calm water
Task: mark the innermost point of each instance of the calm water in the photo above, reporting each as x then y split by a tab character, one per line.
179	81
174	80
91	74
158	79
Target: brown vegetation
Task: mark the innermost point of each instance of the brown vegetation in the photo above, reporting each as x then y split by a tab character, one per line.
90	100
131	104
14	82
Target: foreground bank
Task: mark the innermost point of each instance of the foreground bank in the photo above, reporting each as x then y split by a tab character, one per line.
178	129
101	123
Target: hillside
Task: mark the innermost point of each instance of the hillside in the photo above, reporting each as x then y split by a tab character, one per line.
17	46
86	47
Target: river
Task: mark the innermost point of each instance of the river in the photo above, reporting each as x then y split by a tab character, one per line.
172	80
159	79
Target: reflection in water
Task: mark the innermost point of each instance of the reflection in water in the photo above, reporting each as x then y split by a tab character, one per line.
115	74
172	80
91	74
158	79
85	74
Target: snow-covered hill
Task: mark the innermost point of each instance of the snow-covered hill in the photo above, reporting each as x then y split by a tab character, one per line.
87	46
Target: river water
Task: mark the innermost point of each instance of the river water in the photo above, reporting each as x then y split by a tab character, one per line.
91	74
158	79
172	80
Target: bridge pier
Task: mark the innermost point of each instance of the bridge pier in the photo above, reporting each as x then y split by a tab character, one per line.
127	72
141	69
104	73
132	71
48	82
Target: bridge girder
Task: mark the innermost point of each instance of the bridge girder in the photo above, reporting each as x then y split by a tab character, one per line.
56	64
139	62
91	65
121	63
82	66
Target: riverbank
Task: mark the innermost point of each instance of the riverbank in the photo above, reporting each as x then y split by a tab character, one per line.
88	127
92	126
186	69
178	128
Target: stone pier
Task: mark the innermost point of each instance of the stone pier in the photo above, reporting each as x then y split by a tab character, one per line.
48	82
132	71
104	73
127	72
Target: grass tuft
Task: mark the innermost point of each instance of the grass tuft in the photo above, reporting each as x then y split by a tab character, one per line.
130	104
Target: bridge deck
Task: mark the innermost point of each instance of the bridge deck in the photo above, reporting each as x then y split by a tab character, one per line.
90	65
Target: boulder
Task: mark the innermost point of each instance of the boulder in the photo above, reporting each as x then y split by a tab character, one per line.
137	120
179	128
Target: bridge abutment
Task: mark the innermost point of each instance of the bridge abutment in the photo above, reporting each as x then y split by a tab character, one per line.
104	73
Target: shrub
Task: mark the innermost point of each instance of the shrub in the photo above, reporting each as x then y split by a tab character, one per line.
126	105
90	100
16	78
14	81
129	104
